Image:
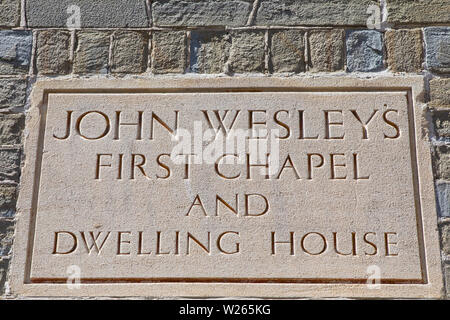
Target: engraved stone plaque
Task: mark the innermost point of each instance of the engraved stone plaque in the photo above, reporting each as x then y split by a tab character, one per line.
253	187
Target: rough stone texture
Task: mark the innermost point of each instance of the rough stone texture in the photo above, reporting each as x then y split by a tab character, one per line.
53	52
210	51
8	198
439	93
169	52
288	51
9	164
129	52
313	12
9	13
443	199
437	40
92	53
447	279
4	264
404	50
445	238
418	11
326	50
98	13
6	237
247	52
441	121
11	127
15	51
12	93
201	12
442	162
364	51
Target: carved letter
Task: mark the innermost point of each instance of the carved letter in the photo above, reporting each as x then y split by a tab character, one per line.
355	169
310	165
217	163
68	124
197	202
290	242
364	124
387	244
120	241
333	165
328	124
302	127
353	252
99	165
94	241
158	119
324	248
105	132
282	124
139	165
289	166
392	124
219	243
55	245
234	210
138	126
247	205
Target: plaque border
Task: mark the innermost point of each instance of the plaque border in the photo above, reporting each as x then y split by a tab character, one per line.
411	86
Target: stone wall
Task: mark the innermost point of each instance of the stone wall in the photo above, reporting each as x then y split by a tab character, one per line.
140	38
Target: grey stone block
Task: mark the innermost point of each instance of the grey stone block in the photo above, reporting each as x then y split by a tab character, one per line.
92	53
11	127
443	199
10	164
129	52
8	199
93	14
445	238
15	51
12	93
247	51
314	12
404	50
447	280
6	237
326	49
442	162
418	11
364	51
288	51
4	265
441	121
169	52
53	52
9	13
437	40
439	93
201	12
210	51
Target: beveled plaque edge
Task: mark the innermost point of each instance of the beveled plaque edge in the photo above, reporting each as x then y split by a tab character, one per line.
21	286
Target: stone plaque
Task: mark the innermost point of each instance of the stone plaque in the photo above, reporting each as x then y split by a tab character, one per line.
253	187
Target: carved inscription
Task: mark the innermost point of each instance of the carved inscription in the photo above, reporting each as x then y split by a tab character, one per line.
263	185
